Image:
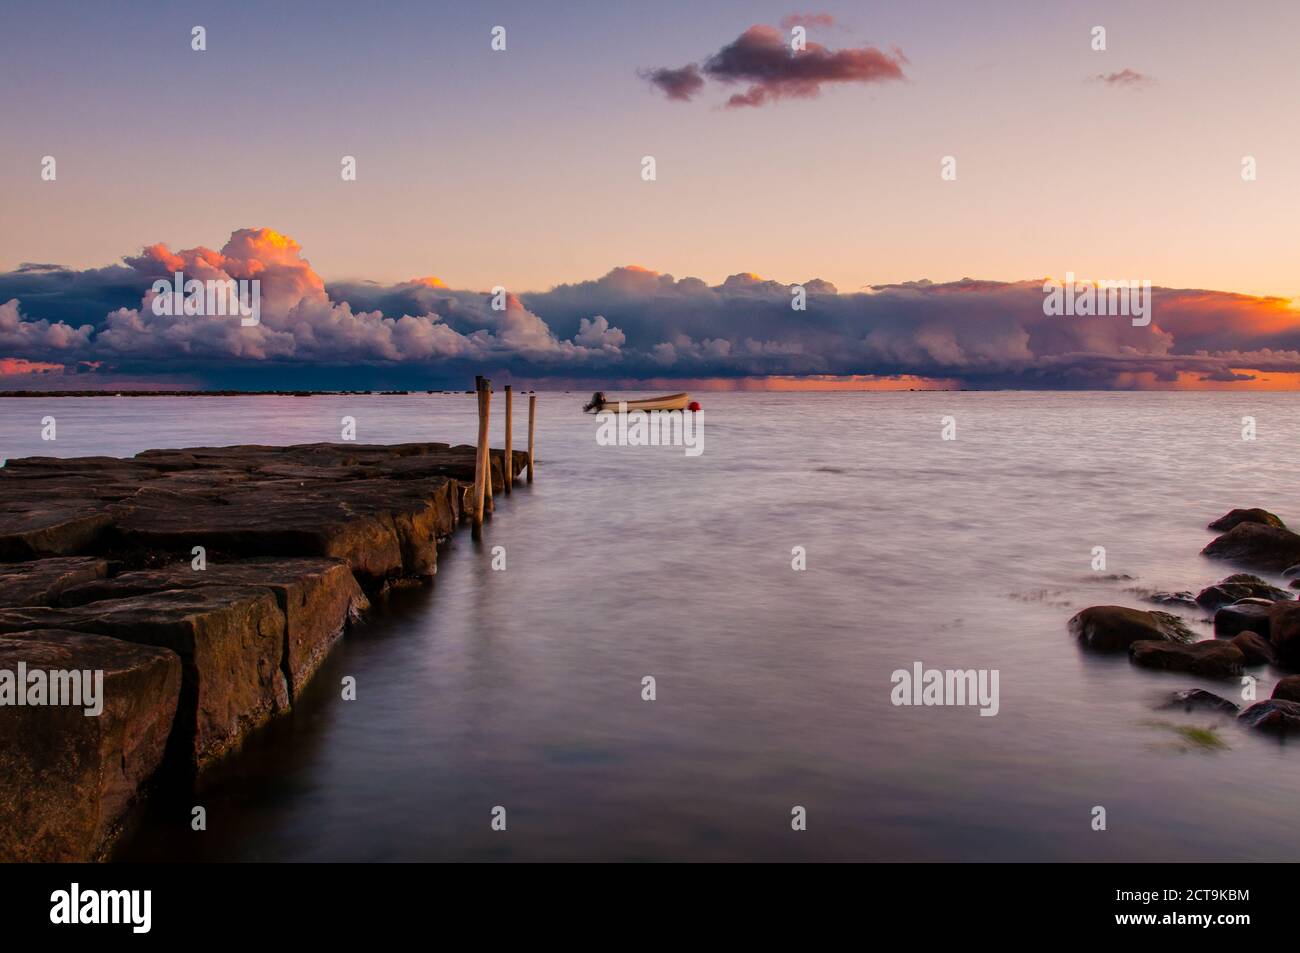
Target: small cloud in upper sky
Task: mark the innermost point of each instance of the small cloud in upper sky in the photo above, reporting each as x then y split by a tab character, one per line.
764	58
680	84
807	19
1129	78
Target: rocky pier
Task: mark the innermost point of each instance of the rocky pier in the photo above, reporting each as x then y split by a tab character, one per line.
203	587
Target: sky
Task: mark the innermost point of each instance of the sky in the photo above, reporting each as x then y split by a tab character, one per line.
523	169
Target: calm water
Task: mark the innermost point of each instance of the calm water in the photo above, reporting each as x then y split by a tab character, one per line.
523	688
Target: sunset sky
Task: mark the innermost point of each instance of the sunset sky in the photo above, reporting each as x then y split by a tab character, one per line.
523	168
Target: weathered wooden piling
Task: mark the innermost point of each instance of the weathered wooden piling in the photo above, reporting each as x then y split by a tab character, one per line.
508	475
482	464
488	489
532	432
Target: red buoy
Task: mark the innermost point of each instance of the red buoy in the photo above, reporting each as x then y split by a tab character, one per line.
693	405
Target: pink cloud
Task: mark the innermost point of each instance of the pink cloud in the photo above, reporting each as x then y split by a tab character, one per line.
763	58
1129	78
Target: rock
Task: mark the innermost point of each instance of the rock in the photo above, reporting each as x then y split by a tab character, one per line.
1190	698
1288	689
40	582
1284	633
340	461
1211	658
67	779
1276	714
317	596
88	558
1114	628
55	527
231	643
1270	548
382	509
1239	586
1182	598
1235	517
382	528
1242	617
1256	649
58	508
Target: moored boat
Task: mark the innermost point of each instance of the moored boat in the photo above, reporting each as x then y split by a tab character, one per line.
667	402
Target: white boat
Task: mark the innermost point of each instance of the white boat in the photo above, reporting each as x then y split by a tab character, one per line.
666	402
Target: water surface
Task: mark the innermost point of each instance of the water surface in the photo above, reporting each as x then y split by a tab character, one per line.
522	688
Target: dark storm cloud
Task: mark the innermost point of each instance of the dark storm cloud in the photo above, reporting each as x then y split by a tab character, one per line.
631	323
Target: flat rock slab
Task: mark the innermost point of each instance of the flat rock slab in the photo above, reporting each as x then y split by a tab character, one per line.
381	508
40	583
231	643
33	528
317	596
381	528
67	778
99	548
358	460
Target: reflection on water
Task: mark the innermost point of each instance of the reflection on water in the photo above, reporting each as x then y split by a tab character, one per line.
523	688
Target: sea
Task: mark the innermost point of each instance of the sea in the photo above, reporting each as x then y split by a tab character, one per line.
658	655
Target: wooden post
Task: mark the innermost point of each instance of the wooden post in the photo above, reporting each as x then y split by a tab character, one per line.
487	445
532	431
509	458
476	501
481	456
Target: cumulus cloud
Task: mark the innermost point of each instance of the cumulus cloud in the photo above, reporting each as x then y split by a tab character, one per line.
301	324
763	59
631	323
598	333
25	336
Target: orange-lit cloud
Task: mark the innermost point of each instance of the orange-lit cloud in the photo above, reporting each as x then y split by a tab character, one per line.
10	366
635	323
